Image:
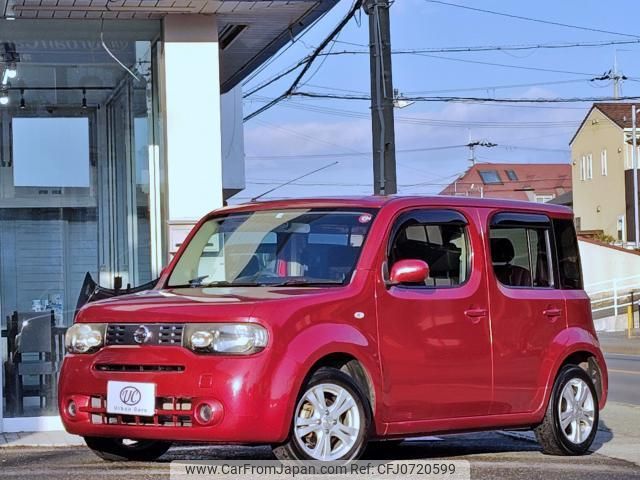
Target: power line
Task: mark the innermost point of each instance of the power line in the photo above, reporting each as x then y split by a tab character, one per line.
311	58
530	19
488	48
498	87
354	154
342	113
472	99
504	65
406	150
406	185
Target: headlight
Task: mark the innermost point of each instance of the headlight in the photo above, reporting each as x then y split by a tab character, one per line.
230	338
84	337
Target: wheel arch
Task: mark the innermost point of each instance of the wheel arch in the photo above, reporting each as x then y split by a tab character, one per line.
576	346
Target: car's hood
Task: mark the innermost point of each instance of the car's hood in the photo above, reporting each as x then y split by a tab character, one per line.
196	304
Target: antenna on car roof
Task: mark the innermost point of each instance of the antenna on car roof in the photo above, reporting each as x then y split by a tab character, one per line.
291	181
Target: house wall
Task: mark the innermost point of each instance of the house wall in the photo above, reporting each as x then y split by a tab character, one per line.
599	201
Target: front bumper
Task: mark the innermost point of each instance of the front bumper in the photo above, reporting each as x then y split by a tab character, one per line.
239	386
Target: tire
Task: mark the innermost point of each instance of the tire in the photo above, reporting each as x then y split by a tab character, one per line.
580	424
119	450
343	433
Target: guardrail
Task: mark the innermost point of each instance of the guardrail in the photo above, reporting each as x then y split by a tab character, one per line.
616	296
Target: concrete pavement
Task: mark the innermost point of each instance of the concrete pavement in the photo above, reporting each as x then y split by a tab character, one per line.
491	455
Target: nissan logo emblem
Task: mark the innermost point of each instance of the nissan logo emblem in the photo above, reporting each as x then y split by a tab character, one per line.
130	396
141	335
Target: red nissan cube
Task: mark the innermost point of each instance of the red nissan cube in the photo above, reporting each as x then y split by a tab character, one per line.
319	325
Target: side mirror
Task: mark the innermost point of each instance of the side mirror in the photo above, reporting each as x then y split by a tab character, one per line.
408	271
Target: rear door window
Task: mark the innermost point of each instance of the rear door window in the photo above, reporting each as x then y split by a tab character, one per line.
521	252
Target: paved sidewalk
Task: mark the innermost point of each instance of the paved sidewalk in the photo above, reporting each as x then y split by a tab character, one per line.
618	342
40	439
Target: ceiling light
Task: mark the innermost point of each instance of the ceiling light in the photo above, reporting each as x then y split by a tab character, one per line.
11	71
4	97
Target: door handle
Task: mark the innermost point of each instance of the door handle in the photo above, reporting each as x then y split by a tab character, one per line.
552	312
475	314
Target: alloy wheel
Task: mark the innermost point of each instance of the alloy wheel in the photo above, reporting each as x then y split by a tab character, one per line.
327	422
576	412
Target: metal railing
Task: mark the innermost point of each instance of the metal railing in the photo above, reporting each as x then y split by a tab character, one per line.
614	297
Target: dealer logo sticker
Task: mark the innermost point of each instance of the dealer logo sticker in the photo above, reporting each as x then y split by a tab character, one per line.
130	396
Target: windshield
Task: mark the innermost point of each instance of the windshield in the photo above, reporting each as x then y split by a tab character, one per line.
283	247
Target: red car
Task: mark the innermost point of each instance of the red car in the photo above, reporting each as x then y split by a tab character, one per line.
319	325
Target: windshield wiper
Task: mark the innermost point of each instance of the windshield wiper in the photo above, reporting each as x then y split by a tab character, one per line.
305	283
197	283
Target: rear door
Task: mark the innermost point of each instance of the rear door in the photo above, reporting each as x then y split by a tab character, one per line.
527	308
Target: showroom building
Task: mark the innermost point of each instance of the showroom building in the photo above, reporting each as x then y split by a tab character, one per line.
120	126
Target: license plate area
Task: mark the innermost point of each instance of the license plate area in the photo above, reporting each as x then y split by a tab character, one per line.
131	398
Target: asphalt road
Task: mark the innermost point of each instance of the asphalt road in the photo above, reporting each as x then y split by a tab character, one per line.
491	455
624	378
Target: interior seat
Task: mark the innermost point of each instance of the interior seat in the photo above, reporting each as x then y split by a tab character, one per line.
502	254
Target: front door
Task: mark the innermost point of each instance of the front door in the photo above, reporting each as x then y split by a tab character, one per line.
435	337
527	310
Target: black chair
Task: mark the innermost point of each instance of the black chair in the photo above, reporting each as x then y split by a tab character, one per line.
33	356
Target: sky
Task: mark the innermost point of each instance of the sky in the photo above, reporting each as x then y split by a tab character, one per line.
300	135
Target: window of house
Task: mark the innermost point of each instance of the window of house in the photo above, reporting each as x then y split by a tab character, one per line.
589	173
521	255
511	175
490	177
544	198
583	168
568	254
444	247
603	162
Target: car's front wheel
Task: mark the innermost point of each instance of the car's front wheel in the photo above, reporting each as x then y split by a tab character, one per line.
120	449
331	421
571	421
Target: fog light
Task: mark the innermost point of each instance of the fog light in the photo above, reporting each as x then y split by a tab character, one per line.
72	409
205	412
209	412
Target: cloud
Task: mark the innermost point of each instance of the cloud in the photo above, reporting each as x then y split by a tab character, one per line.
328	135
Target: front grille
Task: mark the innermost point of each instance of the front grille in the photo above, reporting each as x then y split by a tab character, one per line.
118	367
158	334
170	412
170	334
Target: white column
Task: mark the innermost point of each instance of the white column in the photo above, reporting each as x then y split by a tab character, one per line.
191	87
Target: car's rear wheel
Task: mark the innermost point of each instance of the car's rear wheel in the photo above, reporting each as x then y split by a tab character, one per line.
331	421
121	449
571	421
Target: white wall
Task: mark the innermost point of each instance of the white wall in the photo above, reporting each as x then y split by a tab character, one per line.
601	263
191	80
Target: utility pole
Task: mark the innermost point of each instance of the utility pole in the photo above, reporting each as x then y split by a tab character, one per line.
478	143
634	156
382	98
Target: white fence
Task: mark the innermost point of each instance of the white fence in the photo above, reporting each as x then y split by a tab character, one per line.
610	298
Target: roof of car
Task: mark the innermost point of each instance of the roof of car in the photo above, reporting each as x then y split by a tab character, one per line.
399	201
